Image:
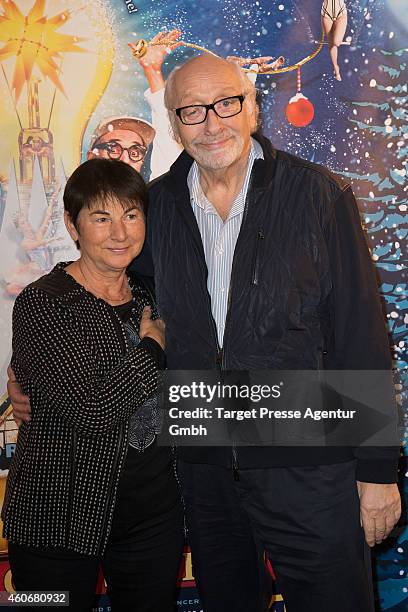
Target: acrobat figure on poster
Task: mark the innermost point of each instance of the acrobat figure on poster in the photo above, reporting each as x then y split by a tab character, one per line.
165	149
35	245
334	23
259	64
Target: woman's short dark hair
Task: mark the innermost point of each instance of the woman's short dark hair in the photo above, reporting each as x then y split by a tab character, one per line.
99	180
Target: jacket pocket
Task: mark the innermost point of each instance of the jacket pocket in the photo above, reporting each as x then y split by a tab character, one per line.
255	268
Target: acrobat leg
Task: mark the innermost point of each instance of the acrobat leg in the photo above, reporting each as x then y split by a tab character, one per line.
335	39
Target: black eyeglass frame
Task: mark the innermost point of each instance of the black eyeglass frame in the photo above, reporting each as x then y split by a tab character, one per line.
208	107
105	146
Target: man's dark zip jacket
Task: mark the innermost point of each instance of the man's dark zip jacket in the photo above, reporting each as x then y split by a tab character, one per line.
303	293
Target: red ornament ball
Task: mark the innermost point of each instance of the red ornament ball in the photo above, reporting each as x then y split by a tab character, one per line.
299	111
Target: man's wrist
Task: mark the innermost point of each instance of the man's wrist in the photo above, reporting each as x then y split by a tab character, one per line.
377	471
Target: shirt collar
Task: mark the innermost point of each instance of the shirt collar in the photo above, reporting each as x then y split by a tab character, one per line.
197	196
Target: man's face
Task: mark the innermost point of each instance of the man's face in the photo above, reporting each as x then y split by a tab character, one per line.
124	138
218	142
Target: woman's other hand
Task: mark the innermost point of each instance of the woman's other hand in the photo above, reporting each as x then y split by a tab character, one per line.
152	329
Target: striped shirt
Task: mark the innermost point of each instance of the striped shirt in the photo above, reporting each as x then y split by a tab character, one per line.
219	238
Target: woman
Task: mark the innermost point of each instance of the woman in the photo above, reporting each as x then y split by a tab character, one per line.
88	484
334	23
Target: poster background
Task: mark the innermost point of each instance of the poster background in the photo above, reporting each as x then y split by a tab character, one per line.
360	129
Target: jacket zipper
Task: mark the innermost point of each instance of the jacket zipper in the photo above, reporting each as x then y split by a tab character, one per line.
120	451
219	354
235	462
255	275
120	455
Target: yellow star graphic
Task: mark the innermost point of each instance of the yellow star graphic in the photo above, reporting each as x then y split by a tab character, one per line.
33	39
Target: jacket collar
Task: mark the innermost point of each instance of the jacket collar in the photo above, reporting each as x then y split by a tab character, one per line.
176	182
60	284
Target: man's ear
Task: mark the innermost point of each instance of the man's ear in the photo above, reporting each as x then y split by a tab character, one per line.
173	127
253	113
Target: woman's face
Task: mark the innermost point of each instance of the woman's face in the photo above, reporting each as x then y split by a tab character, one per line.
109	236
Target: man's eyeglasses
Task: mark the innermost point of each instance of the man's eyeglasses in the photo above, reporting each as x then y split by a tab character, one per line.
114	150
197	113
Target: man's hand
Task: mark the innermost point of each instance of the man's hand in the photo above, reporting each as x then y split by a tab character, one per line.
380	510
19	401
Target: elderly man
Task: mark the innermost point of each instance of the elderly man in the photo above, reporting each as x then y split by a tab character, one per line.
260	263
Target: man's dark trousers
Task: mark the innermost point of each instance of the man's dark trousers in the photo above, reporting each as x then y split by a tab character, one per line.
306	519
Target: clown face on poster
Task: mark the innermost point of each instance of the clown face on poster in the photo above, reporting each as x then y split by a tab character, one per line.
86	79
